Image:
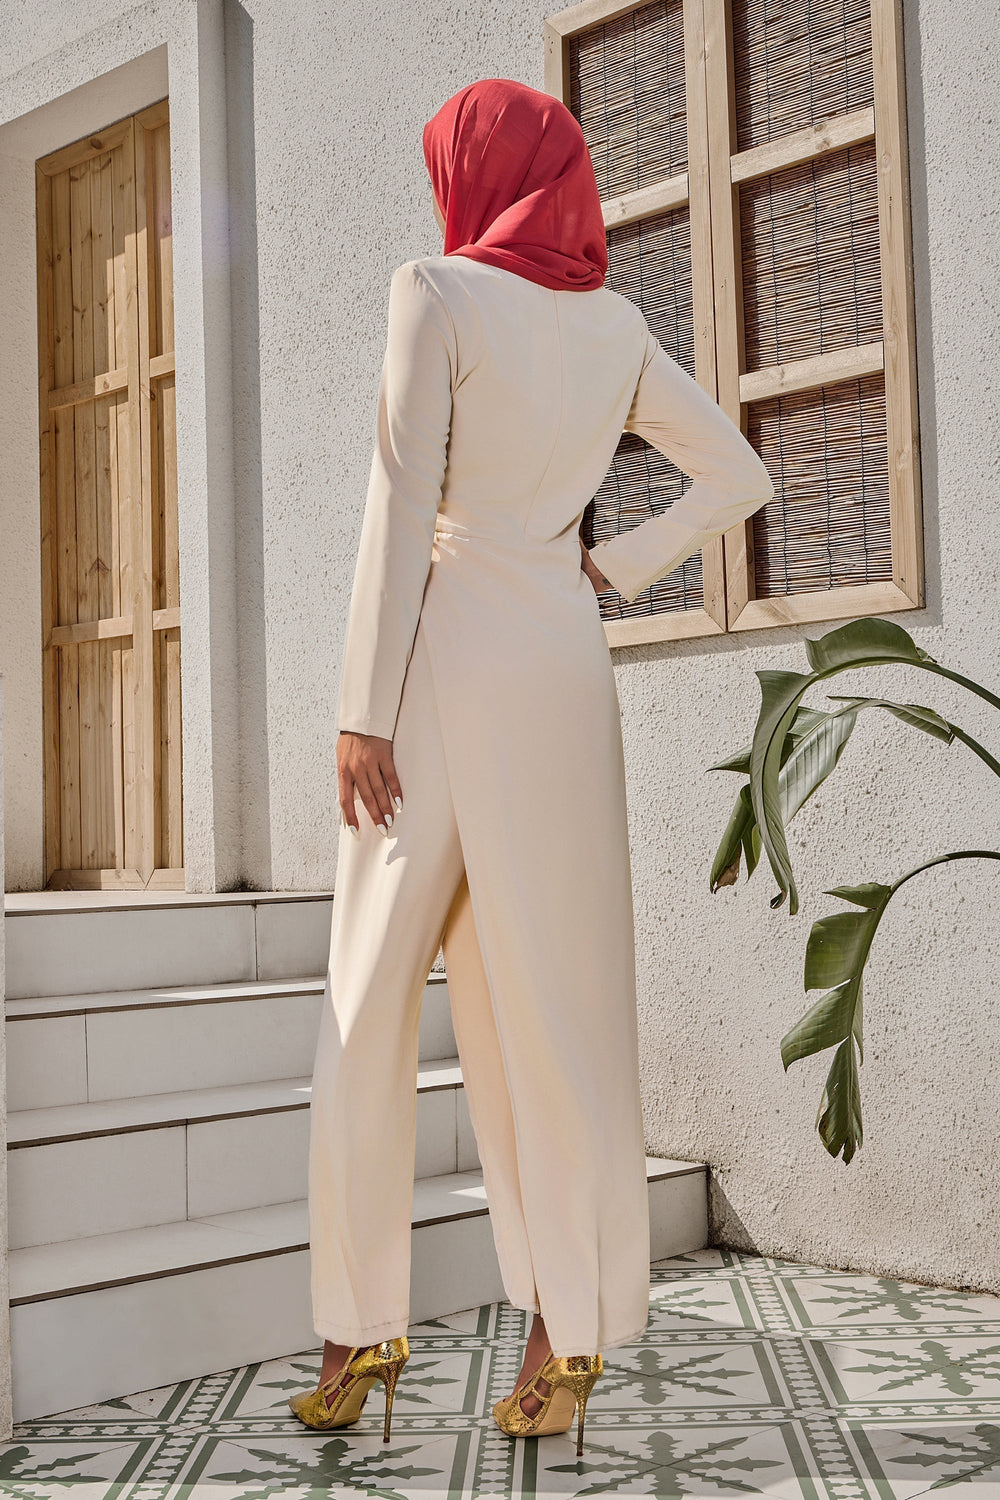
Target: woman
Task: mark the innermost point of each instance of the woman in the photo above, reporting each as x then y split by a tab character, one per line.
480	731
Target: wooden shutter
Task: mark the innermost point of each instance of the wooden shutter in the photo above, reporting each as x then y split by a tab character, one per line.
816	346
799	209
632	76
110	600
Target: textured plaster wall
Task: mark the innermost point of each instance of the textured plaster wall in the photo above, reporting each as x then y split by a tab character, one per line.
6	1401
327	193
20	593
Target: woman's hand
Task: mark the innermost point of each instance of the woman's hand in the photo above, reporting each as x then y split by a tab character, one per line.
592	571
365	767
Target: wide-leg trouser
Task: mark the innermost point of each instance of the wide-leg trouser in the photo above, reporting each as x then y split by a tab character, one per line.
397	901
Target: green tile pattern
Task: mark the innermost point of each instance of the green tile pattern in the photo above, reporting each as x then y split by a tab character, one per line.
755	1376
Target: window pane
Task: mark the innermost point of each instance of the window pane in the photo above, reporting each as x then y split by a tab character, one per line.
650	263
798	63
828	524
810	248
627	91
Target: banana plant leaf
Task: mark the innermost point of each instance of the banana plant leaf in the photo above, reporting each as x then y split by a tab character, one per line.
804	721
860	643
813	747
836	953
793	750
863	643
839	1121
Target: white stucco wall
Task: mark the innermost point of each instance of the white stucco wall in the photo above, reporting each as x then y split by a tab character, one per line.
6	1393
327	193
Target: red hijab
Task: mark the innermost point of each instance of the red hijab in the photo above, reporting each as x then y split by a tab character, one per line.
515	183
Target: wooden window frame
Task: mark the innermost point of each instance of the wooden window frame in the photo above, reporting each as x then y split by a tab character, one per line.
710	189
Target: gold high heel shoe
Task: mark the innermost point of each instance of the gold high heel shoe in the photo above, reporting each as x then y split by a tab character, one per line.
571	1379
382	1361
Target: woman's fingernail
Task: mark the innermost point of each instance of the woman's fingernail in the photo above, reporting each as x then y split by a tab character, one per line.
356	831
399	803
382	829
388	819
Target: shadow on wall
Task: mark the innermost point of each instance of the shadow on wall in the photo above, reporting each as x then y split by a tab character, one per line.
725	1227
254	791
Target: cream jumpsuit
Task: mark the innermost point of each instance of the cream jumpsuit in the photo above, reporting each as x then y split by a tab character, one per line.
475	643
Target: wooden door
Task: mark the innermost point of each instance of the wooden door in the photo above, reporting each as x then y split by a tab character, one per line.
110	572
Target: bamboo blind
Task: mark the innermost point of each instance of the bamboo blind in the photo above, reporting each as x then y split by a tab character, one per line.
777	129
626	81
110	600
649	261
810	258
832	526
626	78
797	62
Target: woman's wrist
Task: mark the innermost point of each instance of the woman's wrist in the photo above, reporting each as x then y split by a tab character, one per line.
593	572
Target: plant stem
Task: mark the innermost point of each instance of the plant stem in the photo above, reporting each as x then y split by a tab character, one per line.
974	687
984	755
943	859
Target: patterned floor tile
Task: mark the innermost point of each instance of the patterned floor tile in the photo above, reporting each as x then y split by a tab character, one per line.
697	1302
754	1377
87	1465
913	1457
698	1262
863	1302
914	1369
981	1486
695	1370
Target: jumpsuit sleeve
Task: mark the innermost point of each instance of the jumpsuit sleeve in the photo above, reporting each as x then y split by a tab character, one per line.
678	417
404	493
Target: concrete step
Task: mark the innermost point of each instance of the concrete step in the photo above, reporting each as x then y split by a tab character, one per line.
78	946
111	1314
76	1048
80	1170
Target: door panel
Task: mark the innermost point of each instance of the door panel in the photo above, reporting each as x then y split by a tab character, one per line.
110	573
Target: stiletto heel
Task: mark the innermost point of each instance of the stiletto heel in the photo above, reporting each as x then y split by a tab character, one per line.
582	1407
382	1361
390	1375
570	1378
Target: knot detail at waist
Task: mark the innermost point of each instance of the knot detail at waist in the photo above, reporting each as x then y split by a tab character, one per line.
513	539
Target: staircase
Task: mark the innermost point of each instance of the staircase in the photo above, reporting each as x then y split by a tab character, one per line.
159	1059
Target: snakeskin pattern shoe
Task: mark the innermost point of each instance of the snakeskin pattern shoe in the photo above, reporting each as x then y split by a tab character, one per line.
571	1379
382	1361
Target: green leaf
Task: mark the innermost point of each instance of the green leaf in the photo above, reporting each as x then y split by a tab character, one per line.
752	845
839	1118
780	694
825	1024
738	761
911	713
726	865
812	748
813	758
871	894
862	641
836	954
859	643
805	720
838	946
932	723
